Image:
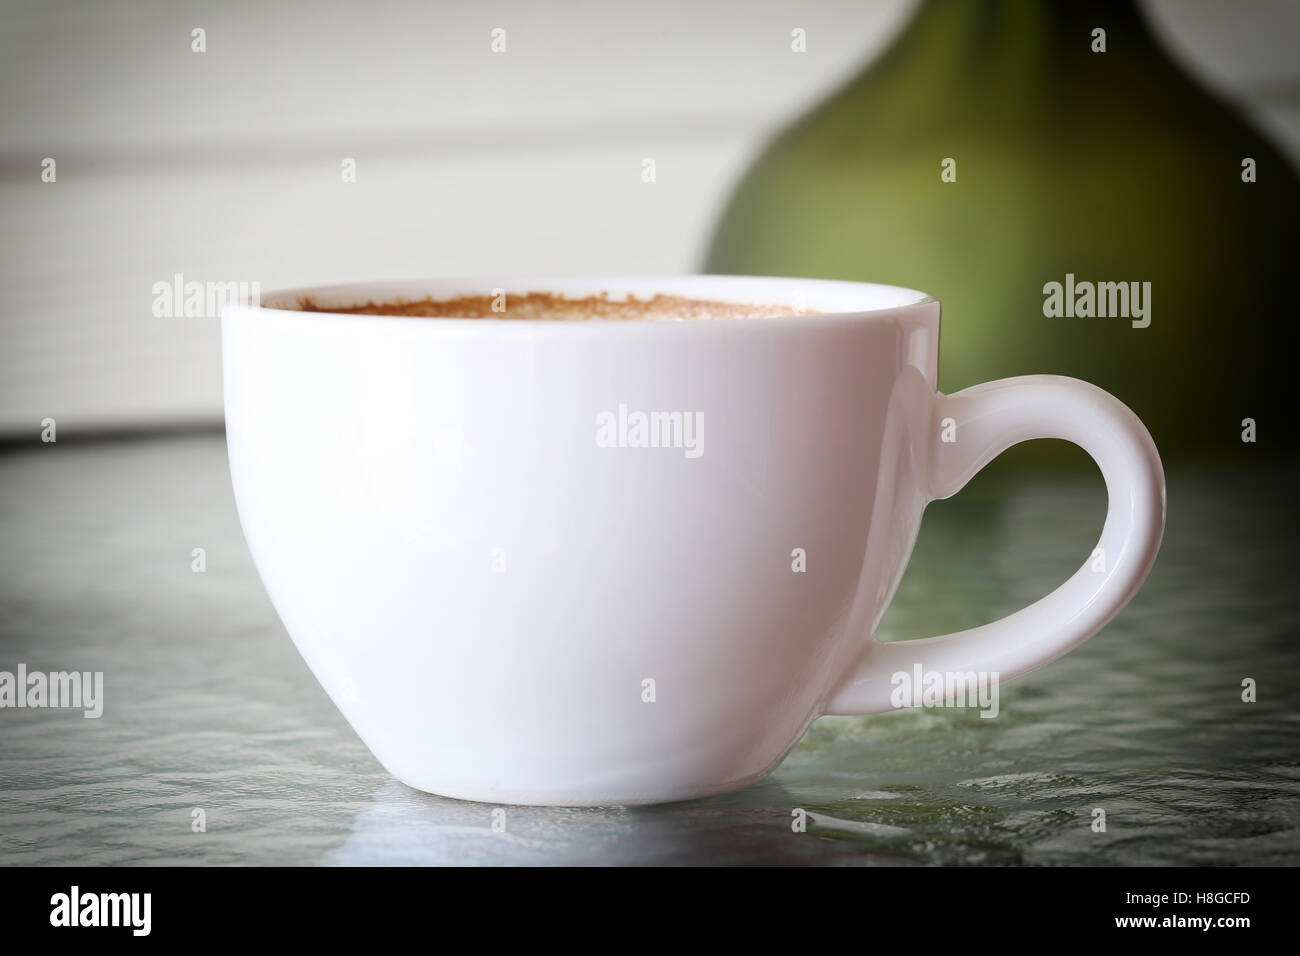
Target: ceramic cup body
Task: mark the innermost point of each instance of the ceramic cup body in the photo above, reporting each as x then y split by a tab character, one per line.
513	596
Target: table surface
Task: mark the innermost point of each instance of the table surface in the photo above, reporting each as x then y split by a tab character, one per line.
208	705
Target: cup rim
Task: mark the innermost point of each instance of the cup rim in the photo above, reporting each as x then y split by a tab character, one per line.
829	299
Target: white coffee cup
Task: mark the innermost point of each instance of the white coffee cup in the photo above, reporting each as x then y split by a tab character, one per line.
512	600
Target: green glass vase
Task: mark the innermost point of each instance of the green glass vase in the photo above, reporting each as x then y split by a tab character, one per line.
997	148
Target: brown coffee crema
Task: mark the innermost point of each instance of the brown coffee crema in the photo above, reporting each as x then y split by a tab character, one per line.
548	305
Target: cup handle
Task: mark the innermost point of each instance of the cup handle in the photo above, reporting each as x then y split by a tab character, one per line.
986	420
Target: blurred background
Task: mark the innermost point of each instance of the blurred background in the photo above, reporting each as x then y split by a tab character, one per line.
228	166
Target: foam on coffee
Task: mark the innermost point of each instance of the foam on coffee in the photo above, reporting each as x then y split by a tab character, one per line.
548	305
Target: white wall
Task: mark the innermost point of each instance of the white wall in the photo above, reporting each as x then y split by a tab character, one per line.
226	165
